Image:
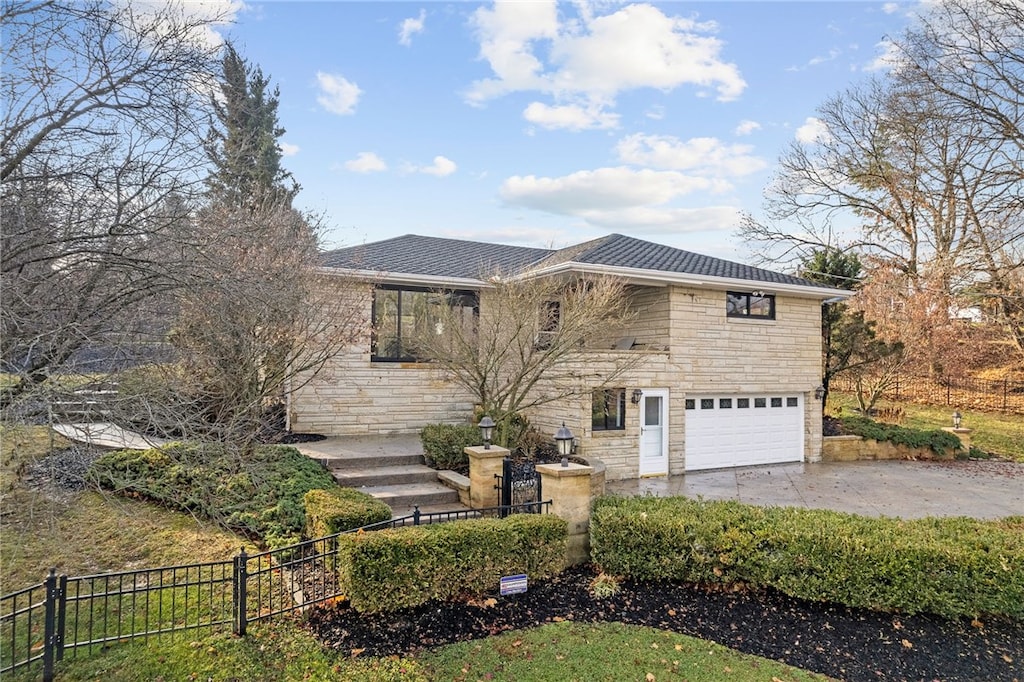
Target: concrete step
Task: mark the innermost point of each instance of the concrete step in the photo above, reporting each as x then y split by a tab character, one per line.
384	475
367	461
402	498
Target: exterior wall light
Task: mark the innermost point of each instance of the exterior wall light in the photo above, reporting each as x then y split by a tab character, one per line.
957	418
487	430
819	393
637	394
563	437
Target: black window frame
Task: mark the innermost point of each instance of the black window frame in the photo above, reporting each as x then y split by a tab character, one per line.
748	299
605	398
400	356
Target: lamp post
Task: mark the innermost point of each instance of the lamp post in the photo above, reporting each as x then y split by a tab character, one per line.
487	430
957	418
563	437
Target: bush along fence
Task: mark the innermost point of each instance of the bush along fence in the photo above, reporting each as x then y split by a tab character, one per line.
1000	395
63	616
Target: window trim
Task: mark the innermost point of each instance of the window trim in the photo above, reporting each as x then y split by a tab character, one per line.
621	406
374	357
749	298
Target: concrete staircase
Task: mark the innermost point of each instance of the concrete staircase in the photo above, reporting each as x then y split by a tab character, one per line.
390	469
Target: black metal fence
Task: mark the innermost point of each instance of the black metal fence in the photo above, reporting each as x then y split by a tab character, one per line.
519	485
62	616
999	395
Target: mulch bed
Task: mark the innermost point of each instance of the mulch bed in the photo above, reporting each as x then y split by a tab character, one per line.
849	644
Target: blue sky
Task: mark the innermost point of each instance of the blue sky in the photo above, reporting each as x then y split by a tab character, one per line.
545	124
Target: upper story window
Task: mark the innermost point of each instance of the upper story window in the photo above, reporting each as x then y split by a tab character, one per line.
550	316
402	315
608	410
754	305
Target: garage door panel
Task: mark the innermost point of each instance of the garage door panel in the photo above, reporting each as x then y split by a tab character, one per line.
741	430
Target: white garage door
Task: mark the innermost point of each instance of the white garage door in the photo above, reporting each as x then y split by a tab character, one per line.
741	430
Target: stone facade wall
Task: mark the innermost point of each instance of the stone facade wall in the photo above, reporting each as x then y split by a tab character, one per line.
706	353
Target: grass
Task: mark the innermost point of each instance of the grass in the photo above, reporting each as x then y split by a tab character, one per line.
995	432
558	652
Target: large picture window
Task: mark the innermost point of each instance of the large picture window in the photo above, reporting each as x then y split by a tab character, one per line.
755	305
608	412
403	315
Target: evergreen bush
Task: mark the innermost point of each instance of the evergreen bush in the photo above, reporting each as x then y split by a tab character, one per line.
444	445
333	510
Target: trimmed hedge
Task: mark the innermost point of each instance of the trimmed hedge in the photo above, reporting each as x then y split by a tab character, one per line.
951	567
259	496
337	509
444	445
938	440
392	569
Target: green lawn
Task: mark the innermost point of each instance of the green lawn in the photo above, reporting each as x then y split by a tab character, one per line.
995	432
558	652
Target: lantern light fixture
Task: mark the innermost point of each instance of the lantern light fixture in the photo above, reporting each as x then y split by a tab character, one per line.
487	430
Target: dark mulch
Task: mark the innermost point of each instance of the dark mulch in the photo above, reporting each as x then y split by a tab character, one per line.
849	644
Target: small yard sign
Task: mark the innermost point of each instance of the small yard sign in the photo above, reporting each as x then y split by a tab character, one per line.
513	584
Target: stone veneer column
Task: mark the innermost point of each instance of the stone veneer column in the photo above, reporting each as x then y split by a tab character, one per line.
483	465
963	434
568	488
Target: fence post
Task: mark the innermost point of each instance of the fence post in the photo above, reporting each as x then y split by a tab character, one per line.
948	382
240	580
416	515
53	627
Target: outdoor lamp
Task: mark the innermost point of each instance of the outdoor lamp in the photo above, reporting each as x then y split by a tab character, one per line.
637	394
819	392
563	437
486	430
956	419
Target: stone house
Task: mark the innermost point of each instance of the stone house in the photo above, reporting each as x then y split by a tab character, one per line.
731	354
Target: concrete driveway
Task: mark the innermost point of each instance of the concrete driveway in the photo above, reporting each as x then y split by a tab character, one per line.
983	490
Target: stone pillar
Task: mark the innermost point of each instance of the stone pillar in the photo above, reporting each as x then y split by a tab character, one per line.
483	466
963	434
568	488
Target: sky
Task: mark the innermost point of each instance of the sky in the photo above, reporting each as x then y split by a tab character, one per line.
545	124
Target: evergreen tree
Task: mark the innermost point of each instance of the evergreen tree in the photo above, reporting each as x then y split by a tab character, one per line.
243	142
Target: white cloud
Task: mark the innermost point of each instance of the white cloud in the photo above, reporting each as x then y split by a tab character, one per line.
288	149
410	27
570	117
655	113
595	57
746	127
889	56
890	8
441	167
337	94
812	131
832	54
706	155
657	220
366	162
207	17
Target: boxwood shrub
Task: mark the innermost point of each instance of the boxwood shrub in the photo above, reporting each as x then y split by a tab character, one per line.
338	509
259	495
392	569
444	445
940	442
950	567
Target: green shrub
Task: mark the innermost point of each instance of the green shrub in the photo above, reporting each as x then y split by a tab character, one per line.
950	567
444	445
392	569
337	509
259	496
940	442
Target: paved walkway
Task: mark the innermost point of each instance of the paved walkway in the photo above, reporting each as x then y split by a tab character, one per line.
107	435
983	490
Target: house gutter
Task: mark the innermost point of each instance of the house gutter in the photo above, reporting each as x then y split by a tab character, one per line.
432	281
662	278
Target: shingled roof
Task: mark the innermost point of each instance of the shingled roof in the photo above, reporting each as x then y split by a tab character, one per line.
461	259
412	254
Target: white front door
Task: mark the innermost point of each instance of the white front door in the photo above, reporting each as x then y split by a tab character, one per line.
654	432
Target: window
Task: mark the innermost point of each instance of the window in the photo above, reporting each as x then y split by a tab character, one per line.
608	410
757	305
776	402
547	324
400	315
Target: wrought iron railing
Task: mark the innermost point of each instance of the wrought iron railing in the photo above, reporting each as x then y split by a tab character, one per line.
64	615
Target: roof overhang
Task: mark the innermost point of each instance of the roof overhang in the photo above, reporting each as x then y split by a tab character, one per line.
409	279
662	279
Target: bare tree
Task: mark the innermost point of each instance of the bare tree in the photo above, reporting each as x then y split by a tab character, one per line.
103	121
529	344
